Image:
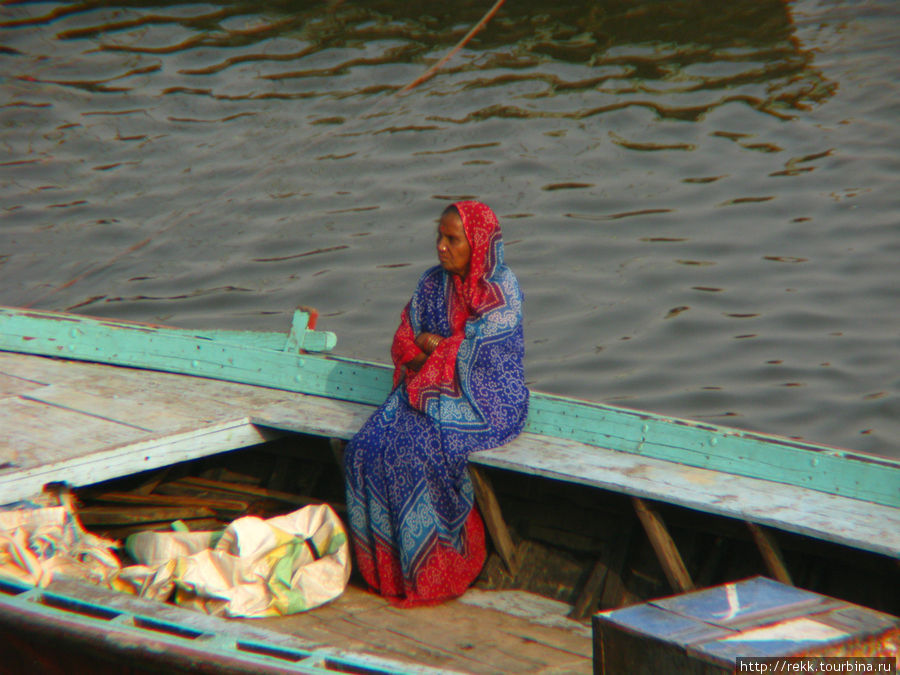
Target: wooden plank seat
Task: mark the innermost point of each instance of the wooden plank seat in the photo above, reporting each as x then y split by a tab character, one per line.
229	415
84	422
761	504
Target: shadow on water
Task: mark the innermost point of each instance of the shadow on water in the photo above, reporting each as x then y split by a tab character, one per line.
644	48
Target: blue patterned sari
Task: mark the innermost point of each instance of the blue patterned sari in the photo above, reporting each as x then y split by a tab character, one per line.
416	533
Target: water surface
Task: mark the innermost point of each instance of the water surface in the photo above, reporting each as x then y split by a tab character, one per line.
699	198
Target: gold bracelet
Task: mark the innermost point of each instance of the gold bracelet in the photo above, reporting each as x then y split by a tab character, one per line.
433	341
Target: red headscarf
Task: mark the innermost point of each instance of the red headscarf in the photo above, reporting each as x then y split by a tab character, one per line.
472	296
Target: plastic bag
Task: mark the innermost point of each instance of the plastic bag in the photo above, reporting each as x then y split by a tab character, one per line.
42	537
256	568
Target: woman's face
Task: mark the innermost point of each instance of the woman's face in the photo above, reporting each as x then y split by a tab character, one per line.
453	248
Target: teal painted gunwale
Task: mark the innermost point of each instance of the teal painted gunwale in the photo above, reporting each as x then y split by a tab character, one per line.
260	359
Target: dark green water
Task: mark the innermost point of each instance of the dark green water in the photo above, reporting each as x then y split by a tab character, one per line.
699	198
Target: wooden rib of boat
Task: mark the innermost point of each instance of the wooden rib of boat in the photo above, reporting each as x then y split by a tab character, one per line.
593	505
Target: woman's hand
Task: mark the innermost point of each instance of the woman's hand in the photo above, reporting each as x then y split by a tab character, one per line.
415	363
428	342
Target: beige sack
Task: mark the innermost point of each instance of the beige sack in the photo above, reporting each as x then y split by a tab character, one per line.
257	568
254	568
42	537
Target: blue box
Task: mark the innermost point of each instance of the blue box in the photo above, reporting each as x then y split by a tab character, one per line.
704	632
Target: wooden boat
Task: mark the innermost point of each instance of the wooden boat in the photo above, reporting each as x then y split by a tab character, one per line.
594	506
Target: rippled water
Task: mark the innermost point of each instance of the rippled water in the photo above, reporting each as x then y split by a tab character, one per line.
699	198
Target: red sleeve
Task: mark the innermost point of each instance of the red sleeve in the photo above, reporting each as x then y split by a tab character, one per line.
404	348
437	375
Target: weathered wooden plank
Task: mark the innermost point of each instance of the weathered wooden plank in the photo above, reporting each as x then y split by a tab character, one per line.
327	417
448	642
588	597
34	433
481	632
493	518
170	613
250	490
142	453
302	331
137	499
130	515
196	399
485	641
201	399
331	418
536	617
173	350
46	371
771	553
821	468
247	338
300	338
15	386
664	546
314	415
123	408
151	482
339	419
381	639
832	470
338	446
850	522
154	386
11	364
123	626
614	591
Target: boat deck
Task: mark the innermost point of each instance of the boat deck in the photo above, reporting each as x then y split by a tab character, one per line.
83	423
482	632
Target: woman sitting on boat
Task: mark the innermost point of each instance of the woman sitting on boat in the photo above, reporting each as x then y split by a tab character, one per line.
458	387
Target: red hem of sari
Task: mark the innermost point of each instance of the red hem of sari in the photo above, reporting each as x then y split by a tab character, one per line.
444	573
